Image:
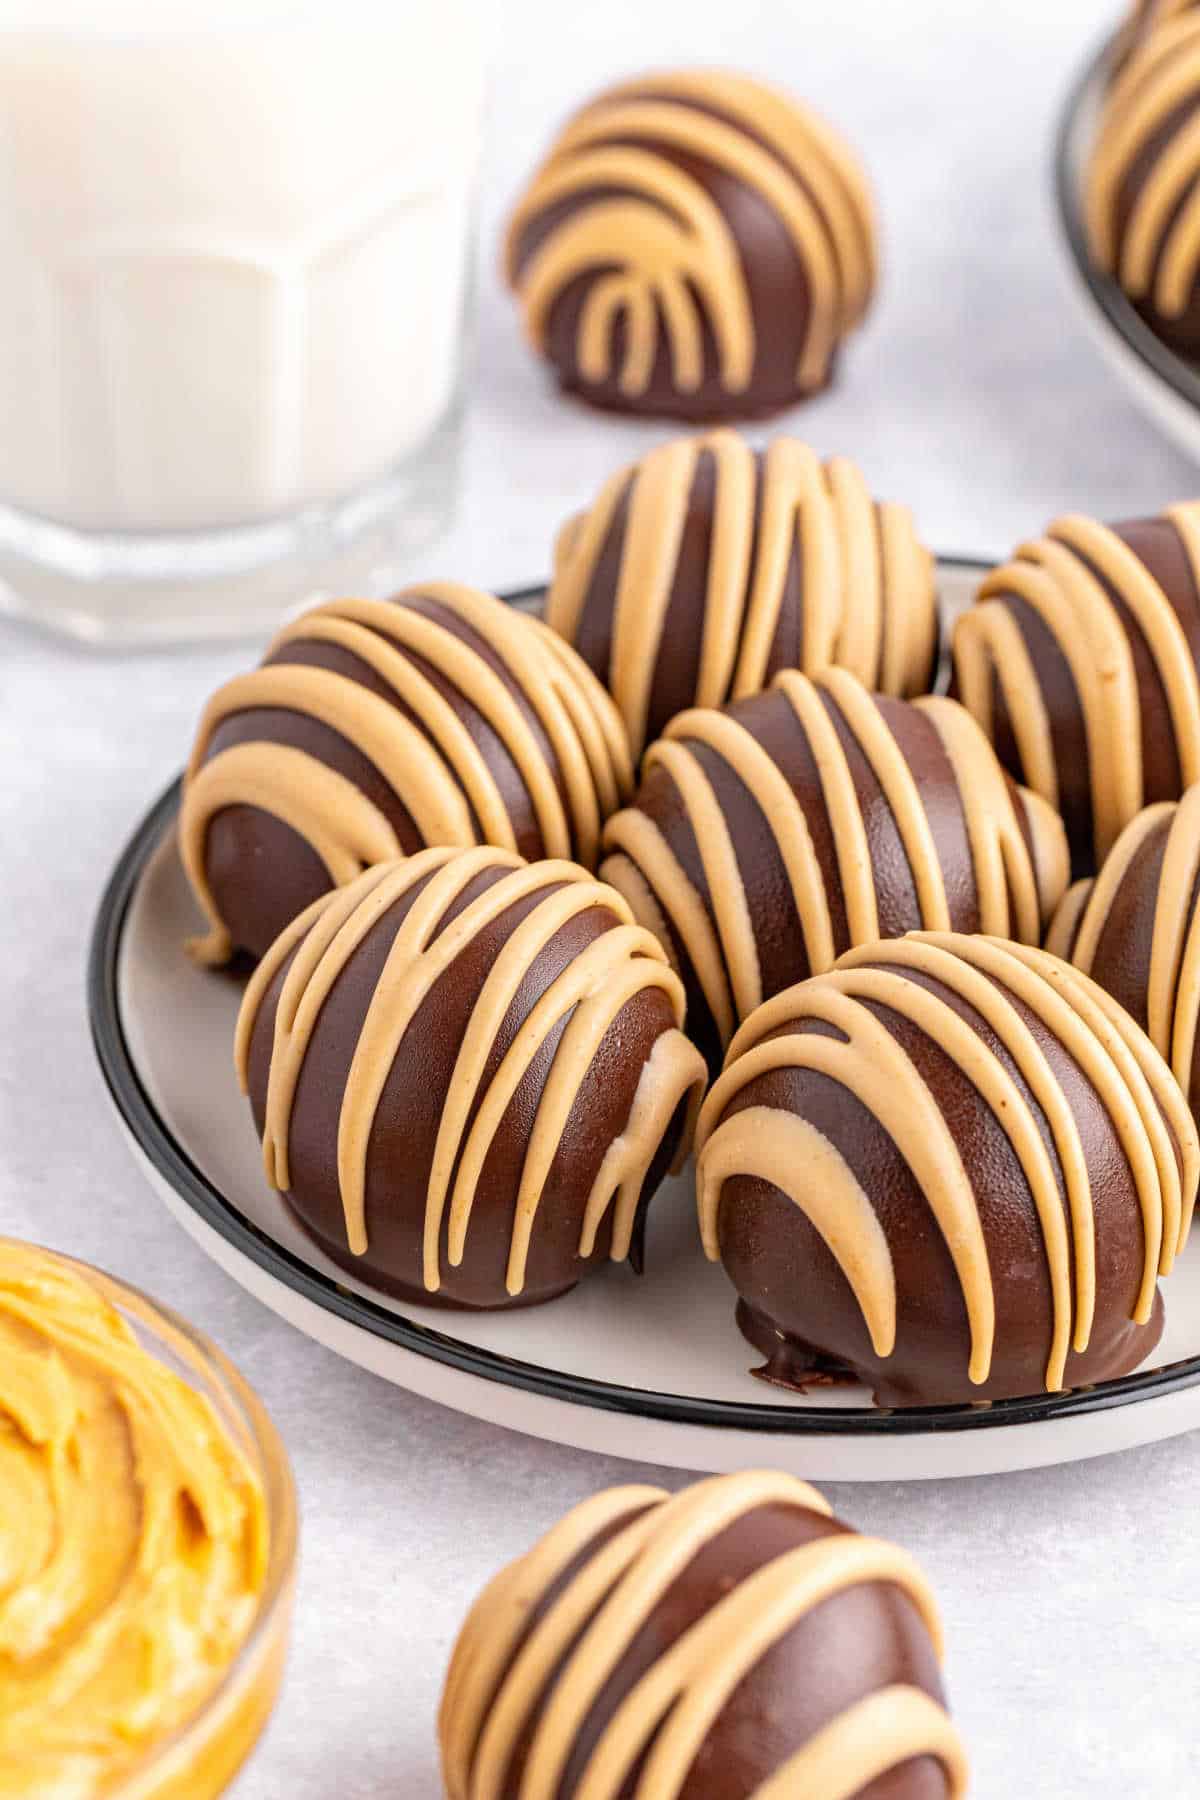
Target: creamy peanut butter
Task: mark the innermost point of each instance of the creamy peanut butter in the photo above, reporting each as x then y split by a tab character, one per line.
133	1539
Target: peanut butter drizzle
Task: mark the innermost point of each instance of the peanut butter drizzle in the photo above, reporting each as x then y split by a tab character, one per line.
1173	975
867	590
1154	253
1015	891
1134	1087
1054	575
431	762
1145	17
492	1696
658	248
590	993
882	1731
829	168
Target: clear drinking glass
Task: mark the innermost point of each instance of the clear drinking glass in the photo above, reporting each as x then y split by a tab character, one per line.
236	243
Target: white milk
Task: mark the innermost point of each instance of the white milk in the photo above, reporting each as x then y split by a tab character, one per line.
234	248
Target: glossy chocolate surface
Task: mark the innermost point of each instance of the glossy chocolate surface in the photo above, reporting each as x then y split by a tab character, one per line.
409	1113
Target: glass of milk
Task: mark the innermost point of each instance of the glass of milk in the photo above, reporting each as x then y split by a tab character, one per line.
236	245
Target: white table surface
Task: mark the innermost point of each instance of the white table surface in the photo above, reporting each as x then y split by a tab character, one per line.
1070	1595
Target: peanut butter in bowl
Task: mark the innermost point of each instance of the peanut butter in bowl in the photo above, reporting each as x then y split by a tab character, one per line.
147	1532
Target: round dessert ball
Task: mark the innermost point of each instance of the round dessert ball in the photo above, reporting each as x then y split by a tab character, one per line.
771	835
1079	660
953	1168
702	570
1140	211
695	246
374	728
1134	930
469	1076
729	1641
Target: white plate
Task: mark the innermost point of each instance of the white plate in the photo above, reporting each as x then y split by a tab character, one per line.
1163	384
653	1369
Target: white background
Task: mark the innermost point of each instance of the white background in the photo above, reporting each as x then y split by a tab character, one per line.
1071	1596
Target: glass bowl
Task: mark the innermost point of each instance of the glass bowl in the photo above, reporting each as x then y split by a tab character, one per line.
201	1757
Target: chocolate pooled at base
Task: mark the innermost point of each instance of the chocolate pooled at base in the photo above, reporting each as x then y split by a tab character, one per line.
769	836
731	1642
1080	661
469	1075
700	572
375	728
694	246
952	1167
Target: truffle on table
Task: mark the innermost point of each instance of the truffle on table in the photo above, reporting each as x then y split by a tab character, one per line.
1079	660
1139	193
771	835
730	1642
1135	930
375	728
699	572
952	1168
469	1076
695	245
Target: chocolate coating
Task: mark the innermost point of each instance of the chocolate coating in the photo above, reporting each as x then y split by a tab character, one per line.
869	1637
850	1101
1132	928
694	246
1141	226
375	728
413	1081
882	793
700	572
1109	621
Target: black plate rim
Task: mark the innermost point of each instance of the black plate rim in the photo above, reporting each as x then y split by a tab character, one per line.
1182	377
173	1165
